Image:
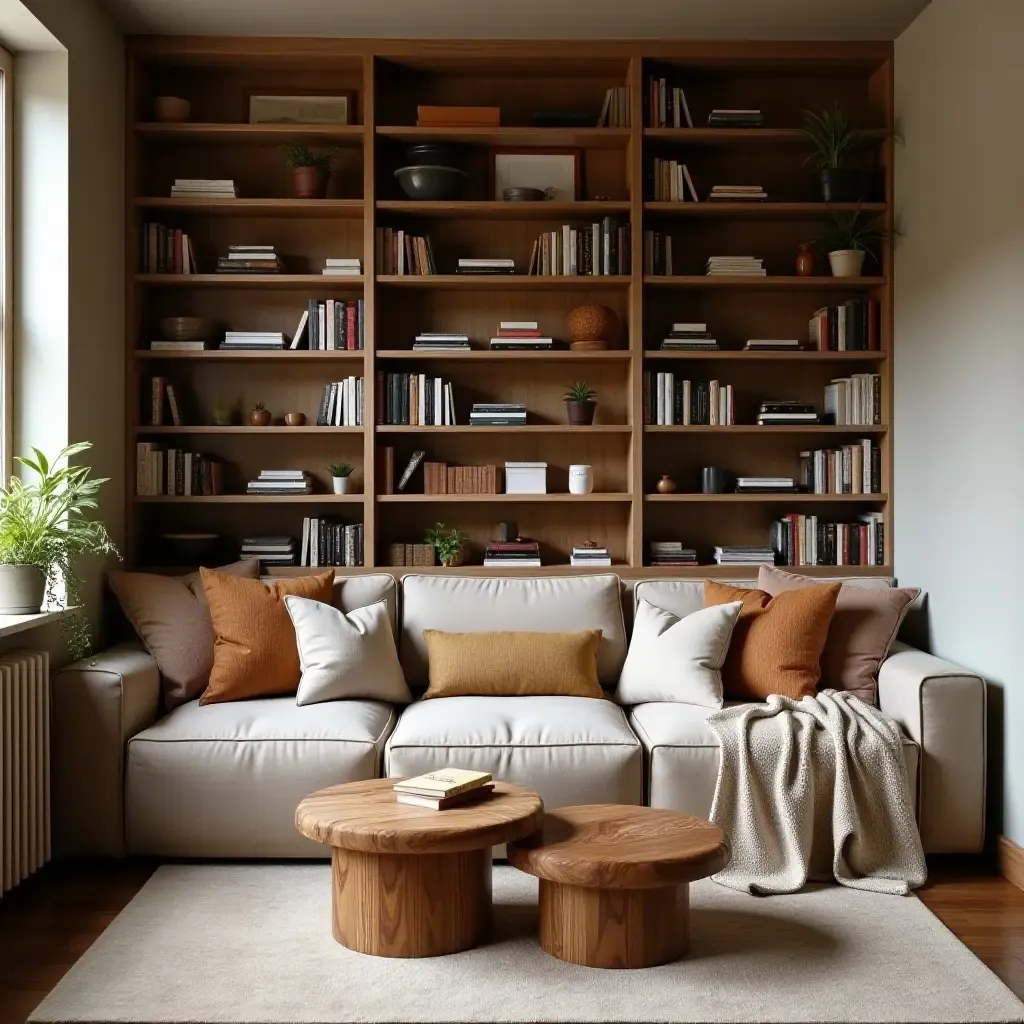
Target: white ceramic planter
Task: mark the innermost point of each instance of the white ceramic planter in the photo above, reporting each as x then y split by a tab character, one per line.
846	262
341	484
22	588
581	479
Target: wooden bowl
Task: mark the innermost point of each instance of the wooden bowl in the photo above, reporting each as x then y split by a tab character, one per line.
186	328
171	109
295	419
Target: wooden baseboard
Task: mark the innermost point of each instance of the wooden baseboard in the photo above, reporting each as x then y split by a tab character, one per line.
1011	861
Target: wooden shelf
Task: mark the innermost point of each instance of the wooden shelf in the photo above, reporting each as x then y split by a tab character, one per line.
541	138
756	209
255	207
561	569
212	430
808	356
738	136
748	572
503	282
770	499
250	499
753	428
500	210
505	499
475	355
529	428
273	134
249	355
779	282
307	281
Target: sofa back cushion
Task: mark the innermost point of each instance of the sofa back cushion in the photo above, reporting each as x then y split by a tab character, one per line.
473	604
362	591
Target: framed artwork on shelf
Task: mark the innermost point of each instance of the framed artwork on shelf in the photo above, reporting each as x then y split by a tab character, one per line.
554	171
299	109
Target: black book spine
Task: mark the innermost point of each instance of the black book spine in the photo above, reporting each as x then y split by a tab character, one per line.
404	418
879	543
833	328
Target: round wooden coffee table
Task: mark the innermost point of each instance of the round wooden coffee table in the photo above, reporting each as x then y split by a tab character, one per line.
407	881
614	880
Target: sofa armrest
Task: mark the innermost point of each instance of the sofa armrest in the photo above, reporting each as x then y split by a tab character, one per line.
99	703
942	707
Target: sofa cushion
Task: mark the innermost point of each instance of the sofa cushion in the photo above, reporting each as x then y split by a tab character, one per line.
361	591
570	750
681	756
223	780
473	604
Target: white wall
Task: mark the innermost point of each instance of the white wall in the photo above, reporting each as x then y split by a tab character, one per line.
959	365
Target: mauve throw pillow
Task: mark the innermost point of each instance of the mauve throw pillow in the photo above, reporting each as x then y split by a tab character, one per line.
172	619
862	630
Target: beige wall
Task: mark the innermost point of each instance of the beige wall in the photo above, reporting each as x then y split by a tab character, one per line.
960	350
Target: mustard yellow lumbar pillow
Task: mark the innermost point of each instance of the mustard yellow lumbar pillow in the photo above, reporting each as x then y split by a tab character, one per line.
513	664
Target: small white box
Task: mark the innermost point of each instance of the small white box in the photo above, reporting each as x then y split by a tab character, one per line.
526	478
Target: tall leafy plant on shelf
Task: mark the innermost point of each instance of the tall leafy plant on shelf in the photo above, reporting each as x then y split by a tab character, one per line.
833	142
44	529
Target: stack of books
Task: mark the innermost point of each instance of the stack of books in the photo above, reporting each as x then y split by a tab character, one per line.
669	181
497	414
271	550
449	787
588	250
514	335
399	253
672	402
166	250
855	400
204	188
772	345
851	327
280	481
765	485
805	540
852	469
485	266
671	552
414	399
260	341
342	267
658	253
440	478
440	341
741	555
330	325
521	554
686	337
458	117
666	105
327	542
735	266
250	259
732	117
787	412
175	473
615	110
737	193
341	404
411	554
590	554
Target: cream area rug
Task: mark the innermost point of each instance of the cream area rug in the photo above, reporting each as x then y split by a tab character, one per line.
205	944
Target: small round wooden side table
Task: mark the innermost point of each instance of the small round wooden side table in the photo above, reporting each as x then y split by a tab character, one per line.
614	881
408	881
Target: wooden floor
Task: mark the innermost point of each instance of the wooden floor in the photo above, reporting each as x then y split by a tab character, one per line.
47	923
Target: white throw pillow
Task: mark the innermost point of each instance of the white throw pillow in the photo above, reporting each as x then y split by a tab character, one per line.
678	660
346	656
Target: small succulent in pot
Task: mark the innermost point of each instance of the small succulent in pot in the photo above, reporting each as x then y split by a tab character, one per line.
580	404
260	415
341	476
310	171
850	238
448	543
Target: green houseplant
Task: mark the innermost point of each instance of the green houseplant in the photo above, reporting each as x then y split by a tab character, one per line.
834	140
43	530
580	404
310	171
341	476
448	544
849	239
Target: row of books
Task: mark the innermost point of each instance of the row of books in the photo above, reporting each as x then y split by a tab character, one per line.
280	481
166	250
668	181
330	325
273	549
658	253
163	403
855	400
520	554
327	542
341	404
671	553
852	469
665	104
615	110
175	472
398	252
589	250
250	259
440	478
670	401
853	326
798	539
414	399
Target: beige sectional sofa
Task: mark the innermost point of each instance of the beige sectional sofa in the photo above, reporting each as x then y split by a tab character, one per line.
223	780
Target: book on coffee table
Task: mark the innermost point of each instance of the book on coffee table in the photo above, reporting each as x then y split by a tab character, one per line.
443	784
444	803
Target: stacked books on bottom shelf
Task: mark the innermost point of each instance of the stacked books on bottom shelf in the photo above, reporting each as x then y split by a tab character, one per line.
175	472
341	404
670	401
735	266
280	481
855	400
414	399
765	485
513	554
689	337
440	790
327	542
277	550
592	555
750	555
250	259
786	412
806	540
515	335
853	469
440	341
671	552
256	341
497	414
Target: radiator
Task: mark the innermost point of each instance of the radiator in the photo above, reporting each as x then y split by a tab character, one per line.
24	766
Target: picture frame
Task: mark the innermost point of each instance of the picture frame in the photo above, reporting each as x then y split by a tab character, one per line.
557	169
301	109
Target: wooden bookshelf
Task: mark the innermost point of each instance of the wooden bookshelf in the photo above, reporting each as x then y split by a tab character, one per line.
385	80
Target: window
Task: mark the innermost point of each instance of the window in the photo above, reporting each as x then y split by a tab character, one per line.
6	261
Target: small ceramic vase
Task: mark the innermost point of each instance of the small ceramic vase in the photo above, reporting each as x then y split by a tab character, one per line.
581	479
666	485
805	260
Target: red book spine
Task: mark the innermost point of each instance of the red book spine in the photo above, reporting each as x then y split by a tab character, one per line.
350	327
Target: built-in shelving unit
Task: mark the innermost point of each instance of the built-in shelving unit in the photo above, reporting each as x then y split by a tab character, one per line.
385	81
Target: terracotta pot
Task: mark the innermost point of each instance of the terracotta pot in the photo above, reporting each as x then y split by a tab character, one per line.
310	182
805	260
171	109
846	262
592	327
666	485
259	418
295	419
581	414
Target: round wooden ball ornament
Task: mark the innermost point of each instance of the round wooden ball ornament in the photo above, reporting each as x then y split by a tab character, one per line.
592	328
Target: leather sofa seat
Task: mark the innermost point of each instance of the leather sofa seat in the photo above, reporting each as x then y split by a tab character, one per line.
571	750
223	780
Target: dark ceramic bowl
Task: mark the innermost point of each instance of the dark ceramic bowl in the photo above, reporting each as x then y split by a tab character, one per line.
431	183
434	154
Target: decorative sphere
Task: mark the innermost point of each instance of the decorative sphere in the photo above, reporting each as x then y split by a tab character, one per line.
592	327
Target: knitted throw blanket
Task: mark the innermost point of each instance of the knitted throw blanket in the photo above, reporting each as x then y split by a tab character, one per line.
813	790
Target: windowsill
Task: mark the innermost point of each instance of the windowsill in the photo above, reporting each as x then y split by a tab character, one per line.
11	624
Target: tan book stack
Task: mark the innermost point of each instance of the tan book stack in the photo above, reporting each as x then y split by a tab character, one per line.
440	478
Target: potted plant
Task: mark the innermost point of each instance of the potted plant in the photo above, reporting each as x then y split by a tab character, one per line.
850	238
260	415
341	475
310	171
834	140
447	543
223	414
43	530
580	404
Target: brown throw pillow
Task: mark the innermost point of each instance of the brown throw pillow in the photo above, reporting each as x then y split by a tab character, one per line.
255	654
777	643
513	664
863	628
171	618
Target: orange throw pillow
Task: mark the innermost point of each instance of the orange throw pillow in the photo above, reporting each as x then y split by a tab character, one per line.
777	643
255	653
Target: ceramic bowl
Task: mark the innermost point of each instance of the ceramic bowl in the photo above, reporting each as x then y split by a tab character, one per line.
186	328
295	419
434	154
425	182
171	109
